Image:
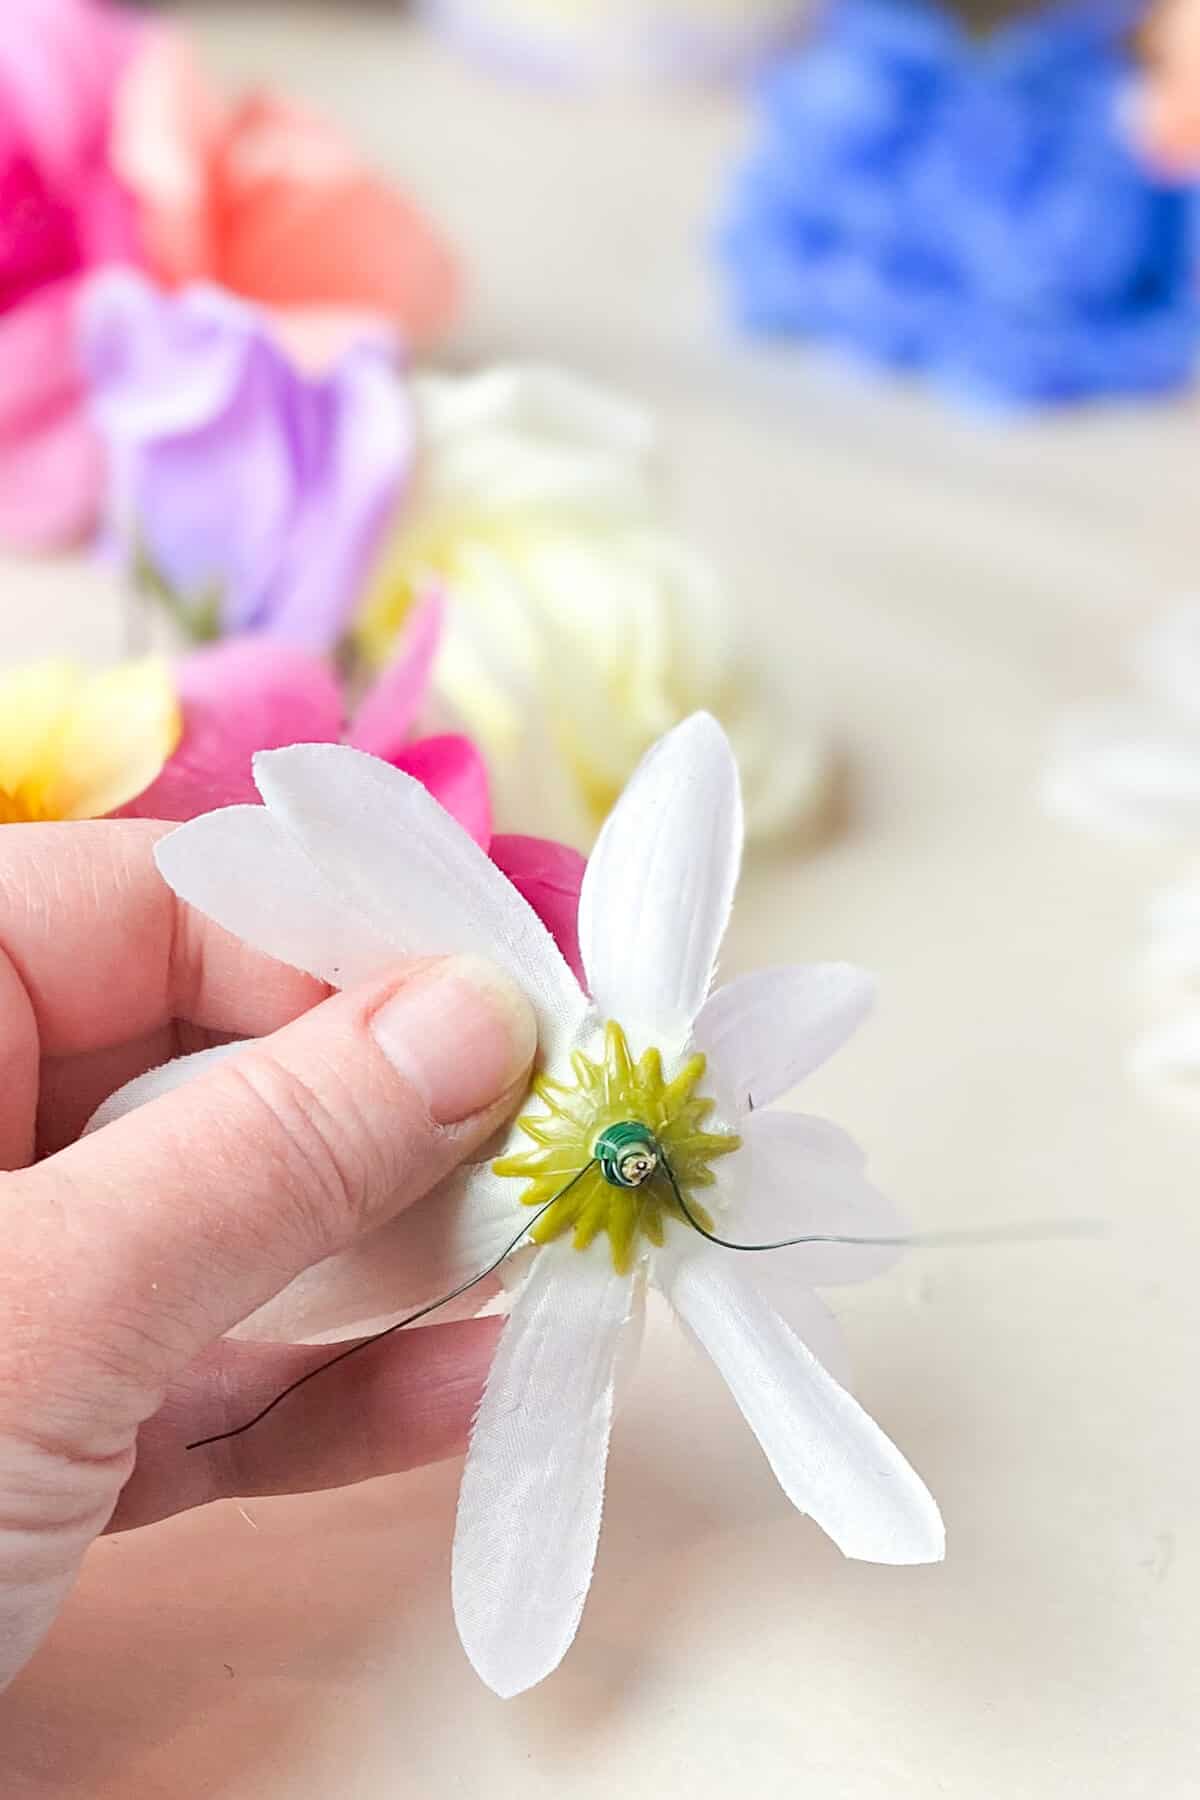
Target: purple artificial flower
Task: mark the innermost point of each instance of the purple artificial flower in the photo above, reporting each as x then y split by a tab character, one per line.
244	493
968	209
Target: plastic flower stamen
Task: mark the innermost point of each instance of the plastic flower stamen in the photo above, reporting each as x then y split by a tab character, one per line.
615	1126
359	866
78	744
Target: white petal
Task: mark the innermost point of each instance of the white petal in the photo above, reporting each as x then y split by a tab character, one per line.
1172	957
658	889
797	1176
830	1458
155	1082
1130	771
805	1313
450	1236
425	1252
1167	1061
1168	659
1175	908
765	1032
394	857
533	1486
240	867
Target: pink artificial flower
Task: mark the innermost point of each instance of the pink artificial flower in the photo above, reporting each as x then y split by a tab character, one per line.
112	150
250	694
273	203
62	212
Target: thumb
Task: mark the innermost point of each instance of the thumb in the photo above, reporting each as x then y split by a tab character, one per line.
129	1252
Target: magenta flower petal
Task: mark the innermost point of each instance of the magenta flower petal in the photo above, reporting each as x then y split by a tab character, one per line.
549	876
59	63
246	695
37	372
389	711
50	481
456	775
50	465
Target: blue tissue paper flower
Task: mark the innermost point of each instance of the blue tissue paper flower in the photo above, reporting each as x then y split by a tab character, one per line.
968	208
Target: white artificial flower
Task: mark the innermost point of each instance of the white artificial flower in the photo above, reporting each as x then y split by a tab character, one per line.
351	864
1130	768
579	627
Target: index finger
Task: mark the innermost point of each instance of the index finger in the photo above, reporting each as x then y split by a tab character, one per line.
95	950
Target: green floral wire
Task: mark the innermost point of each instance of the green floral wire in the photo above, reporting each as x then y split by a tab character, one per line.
1013	1234
219	1437
1033	1233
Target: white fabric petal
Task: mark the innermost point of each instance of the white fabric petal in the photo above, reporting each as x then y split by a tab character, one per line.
395	858
658	889
1127	770
1167	1061
533	1487
832	1460
1168	659
1173	928
448	1236
797	1176
806	1314
765	1032
156	1082
239	867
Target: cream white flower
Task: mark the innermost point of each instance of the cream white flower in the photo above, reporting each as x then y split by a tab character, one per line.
579	628
1130	769
350	863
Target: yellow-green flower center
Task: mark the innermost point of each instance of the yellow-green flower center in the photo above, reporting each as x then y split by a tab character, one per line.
620	1122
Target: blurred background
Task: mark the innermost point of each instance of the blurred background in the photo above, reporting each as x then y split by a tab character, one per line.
530	373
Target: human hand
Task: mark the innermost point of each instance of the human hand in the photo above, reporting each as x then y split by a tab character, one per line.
128	1254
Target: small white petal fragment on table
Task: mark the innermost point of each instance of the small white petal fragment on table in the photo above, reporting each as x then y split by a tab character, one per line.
1130	769
659	886
1166	1059
797	1176
1172	956
1168	659
397	859
762	1033
533	1486
832	1460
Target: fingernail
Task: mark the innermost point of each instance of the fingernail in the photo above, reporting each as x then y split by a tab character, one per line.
461	1032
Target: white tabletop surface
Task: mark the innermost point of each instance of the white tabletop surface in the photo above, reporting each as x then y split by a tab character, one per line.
934	591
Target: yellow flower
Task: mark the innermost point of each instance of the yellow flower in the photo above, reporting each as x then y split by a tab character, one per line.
579	629
77	744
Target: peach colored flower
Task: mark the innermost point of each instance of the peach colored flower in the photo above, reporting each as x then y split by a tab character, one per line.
1166	111
273	203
